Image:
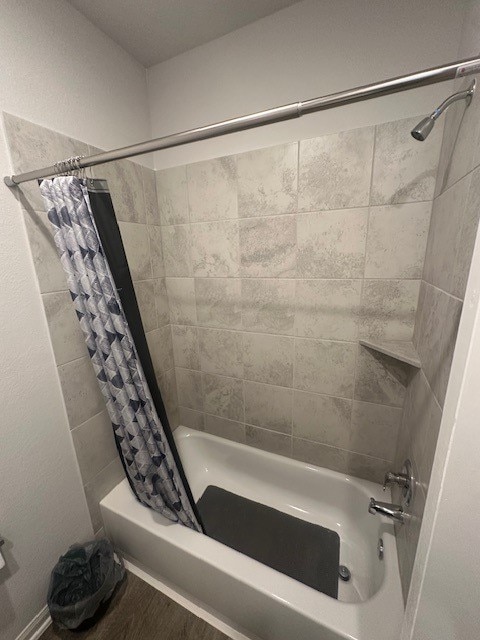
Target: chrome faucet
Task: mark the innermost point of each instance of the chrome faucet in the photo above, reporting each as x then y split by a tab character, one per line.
406	482
394	511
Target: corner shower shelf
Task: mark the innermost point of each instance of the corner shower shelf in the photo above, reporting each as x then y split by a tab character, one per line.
403	351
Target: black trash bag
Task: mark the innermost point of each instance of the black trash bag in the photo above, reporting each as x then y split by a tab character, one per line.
83	579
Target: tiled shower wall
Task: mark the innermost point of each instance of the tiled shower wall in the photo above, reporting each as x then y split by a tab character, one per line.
453	229
133	192
277	261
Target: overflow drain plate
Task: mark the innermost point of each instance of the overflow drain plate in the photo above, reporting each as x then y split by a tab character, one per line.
344	573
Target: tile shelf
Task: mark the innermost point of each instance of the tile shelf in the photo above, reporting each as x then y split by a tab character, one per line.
403	351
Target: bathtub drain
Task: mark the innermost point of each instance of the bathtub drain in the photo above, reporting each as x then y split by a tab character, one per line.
344	573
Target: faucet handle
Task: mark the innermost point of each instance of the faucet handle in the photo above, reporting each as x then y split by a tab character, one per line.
395	478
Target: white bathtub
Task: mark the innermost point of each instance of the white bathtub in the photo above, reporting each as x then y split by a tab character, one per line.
254	598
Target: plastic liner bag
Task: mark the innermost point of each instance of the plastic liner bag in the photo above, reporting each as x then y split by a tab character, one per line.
82	580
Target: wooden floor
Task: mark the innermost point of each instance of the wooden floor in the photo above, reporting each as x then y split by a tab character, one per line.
140	612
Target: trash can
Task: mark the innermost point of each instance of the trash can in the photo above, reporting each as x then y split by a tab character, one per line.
84	578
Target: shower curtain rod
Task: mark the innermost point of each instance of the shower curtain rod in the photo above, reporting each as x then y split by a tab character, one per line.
458	69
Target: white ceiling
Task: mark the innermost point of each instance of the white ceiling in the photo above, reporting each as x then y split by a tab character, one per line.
155	30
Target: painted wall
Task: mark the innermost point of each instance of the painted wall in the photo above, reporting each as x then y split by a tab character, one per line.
313	48
59	71
452	233
277	261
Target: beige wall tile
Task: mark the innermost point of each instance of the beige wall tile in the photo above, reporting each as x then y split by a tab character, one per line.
375	429
268	247
268	406
271	441
168	388
150	194
325	367
331	244
322	419
161	350
99	487
379	378
268	305
397	240
404	169
320	455
224	428
137	247
181	300
367	467
172	195
156	251
66	335
467	236
191	419
388	309
185	347
189	388
125	183
145	293
268	359
161	302
176	243
223	396
212	189
82	395
327	309
215	249
221	352
94	444
50	273
218	302
335	170
267	181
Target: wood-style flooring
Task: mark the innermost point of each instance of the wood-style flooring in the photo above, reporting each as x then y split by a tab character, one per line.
140	612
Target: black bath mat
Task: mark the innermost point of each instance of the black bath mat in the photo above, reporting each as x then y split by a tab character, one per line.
304	551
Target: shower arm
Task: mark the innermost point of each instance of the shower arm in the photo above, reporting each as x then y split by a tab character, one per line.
460	95
278	114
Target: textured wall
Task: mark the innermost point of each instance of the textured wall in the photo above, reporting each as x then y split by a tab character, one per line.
453	229
277	261
133	193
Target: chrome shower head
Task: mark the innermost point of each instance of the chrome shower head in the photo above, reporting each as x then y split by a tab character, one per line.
425	126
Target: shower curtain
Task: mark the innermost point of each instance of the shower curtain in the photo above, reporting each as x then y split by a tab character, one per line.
87	242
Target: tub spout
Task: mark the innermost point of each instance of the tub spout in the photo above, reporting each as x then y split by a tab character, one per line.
394	511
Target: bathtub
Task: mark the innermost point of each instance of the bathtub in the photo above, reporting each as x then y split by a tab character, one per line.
257	600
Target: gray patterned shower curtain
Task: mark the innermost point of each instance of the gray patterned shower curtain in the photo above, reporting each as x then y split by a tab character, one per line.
141	440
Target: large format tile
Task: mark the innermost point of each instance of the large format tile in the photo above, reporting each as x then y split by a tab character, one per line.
221	352
320	455
94	445
335	170
161	302
367	467
278	443
156	251
150	194
443	239
404	169
189	388
397	240
67	338
467	236
327	309
172	195
268	247
81	392
388	309
99	487
167	383
218	302
268	305
322	419
268	406
267	181
137	248
125	182
325	367
185	347
212	189
224	428
181	300
215	249
268	359
161	350
176	242
191	419
379	378
49	270
223	396
375	429
145	294
331	244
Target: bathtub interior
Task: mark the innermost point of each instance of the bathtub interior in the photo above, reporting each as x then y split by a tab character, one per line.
329	499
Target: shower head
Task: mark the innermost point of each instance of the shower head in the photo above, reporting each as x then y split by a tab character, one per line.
425	126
